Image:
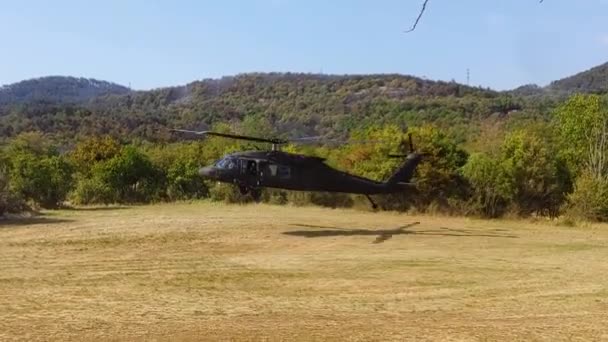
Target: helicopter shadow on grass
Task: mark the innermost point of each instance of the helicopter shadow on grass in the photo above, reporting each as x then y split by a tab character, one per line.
93	209
386	234
8	222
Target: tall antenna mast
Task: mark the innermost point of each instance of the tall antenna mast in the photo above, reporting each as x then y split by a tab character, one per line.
468	76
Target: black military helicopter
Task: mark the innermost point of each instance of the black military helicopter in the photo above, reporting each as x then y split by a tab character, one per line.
253	170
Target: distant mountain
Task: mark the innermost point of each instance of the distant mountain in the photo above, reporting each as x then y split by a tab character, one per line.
594	80
58	90
294	104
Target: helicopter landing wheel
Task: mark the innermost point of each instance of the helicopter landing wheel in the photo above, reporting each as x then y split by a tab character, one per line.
371	201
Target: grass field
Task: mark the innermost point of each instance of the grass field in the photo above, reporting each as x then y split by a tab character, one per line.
213	272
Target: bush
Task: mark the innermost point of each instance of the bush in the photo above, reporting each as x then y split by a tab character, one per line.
540	178
128	177
589	201
438	178
45	180
492	183
227	193
92	191
9	201
184	182
274	196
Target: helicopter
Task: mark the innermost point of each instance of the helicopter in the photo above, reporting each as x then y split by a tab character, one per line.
251	171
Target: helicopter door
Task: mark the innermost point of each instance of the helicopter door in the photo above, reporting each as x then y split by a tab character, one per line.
251	171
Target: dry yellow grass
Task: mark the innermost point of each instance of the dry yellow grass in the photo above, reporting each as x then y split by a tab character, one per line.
212	272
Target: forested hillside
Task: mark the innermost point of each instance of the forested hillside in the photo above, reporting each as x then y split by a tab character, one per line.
290	104
594	80
57	90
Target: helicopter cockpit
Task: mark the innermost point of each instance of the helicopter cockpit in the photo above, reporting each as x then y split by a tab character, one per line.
228	163
232	164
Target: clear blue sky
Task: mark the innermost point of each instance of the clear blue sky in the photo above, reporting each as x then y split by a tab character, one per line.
150	44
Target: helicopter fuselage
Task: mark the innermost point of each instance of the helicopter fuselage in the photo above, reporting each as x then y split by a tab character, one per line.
282	170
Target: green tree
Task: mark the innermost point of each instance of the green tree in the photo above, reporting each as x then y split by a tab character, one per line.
46	180
438	177
367	153
93	150
129	177
582	123
589	200
5	194
540	179
184	182
492	182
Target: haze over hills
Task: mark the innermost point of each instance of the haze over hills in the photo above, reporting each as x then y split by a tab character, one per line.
295	103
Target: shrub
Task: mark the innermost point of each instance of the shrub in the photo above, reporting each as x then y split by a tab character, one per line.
45	180
492	182
129	177
589	201
92	191
184	182
227	193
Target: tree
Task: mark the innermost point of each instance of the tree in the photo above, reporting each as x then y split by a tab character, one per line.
367	155
5	194
129	177
582	123
438	177
589	200
92	151
184	182
492	182
46	180
540	179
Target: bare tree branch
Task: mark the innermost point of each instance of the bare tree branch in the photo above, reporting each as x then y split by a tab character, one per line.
422	13
419	16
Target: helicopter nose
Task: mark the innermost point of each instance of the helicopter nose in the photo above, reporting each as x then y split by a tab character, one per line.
207	172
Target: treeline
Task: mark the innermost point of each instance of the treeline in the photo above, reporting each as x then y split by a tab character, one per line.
542	168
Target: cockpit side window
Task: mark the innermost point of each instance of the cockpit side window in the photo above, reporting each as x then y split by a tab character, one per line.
220	163
226	163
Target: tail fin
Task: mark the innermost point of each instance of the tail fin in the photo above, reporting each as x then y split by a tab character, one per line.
406	171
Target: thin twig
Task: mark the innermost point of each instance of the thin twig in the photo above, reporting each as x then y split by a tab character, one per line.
419	16
422	13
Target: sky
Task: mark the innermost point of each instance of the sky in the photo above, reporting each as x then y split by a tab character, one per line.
149	44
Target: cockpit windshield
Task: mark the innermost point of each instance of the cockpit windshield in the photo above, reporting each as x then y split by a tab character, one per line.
226	163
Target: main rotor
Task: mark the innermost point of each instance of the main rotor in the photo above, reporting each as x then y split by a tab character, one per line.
277	142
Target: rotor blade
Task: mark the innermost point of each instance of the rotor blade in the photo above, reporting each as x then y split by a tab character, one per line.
233	136
187	131
306	139
345	141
